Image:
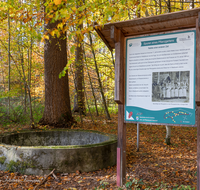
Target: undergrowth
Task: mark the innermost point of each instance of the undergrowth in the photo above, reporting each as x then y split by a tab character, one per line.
139	185
17	113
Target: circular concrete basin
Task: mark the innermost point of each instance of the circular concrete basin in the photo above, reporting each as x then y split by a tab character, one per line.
39	152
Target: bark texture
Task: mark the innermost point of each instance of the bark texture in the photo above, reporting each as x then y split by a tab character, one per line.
79	99
79	103
57	101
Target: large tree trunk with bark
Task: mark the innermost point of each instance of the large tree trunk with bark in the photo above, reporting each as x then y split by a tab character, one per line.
57	101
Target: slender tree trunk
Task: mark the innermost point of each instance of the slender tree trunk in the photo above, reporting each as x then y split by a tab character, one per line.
30	61
182	3
113	60
160	6
168	134
169	6
99	80
29	95
88	103
8	61
138	12
2	70
93	93
32	123
24	79
156	6
193	4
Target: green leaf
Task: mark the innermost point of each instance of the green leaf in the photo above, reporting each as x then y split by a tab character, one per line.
123	2
72	49
62	74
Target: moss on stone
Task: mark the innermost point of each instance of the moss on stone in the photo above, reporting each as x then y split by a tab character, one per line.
2	159
19	166
111	139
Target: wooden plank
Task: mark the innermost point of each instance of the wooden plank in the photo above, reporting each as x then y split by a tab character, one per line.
102	37
120	78
118	166
155	31
155	19
165	22
122	144
113	33
106	33
119	68
111	43
156	27
118	96
164	32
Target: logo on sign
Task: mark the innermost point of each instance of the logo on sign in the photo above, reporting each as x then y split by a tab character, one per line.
129	115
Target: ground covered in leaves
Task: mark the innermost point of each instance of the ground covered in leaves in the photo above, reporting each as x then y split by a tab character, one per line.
155	166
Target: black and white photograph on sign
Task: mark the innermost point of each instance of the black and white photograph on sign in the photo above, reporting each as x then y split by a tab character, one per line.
170	86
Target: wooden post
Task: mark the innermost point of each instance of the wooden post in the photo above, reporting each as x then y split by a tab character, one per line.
197	97
118	38
142	27
198	146
138	136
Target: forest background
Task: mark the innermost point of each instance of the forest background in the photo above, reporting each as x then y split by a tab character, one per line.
90	64
22	39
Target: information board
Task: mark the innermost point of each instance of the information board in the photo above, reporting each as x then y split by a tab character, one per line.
160	78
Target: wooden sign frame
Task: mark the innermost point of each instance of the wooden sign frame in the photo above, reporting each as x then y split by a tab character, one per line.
114	35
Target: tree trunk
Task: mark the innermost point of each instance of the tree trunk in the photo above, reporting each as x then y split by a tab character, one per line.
79	99
99	79
57	111
113	60
93	93
2	71
193	4
168	134
79	103
32	123
160	6
169	6
8	62
24	79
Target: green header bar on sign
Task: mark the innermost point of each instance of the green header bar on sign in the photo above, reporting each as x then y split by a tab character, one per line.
159	42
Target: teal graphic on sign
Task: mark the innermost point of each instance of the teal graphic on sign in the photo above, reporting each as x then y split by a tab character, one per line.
160	78
159	42
170	116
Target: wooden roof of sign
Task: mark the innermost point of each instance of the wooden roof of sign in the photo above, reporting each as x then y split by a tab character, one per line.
160	23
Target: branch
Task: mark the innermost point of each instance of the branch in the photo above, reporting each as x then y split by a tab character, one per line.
12	58
44	180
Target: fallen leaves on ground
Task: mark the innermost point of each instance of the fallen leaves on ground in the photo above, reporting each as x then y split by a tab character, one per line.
155	164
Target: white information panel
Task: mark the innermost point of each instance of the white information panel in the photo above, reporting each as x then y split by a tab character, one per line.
160	73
